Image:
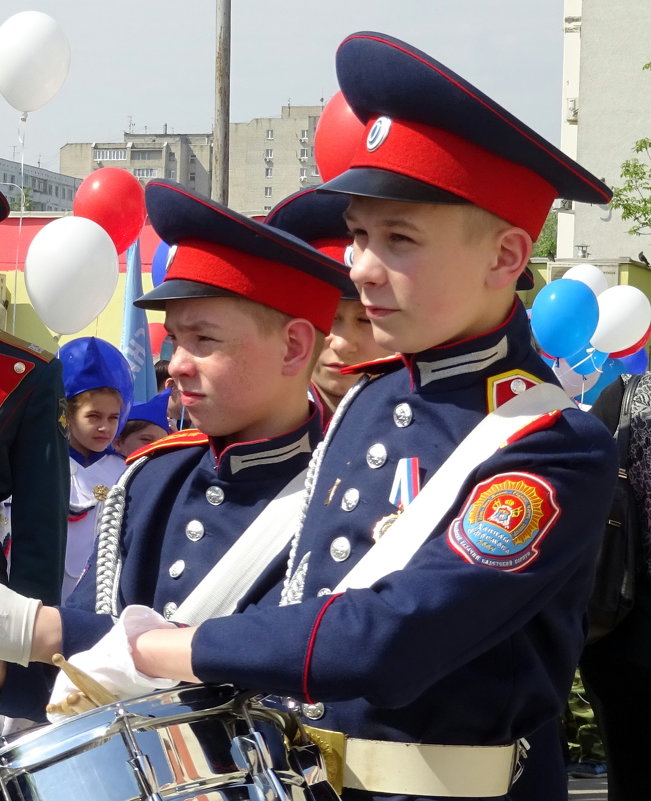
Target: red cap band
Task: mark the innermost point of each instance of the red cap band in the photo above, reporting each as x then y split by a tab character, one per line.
271	283
447	161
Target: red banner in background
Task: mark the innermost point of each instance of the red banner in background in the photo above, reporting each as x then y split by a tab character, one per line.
13	235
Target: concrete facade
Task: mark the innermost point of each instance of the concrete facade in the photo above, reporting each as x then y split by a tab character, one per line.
606	109
185	158
44	190
269	158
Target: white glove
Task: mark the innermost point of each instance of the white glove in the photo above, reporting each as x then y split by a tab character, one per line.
109	661
17	616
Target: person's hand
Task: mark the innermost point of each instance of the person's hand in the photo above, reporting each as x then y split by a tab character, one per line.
17	616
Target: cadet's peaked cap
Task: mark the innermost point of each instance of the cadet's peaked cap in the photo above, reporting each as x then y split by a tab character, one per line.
216	252
317	218
4	207
432	137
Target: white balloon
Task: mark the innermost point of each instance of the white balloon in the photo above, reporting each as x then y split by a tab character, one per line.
34	59
572	382
71	271
624	318
588	274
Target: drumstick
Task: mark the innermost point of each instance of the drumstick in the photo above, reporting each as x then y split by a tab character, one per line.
73	704
87	684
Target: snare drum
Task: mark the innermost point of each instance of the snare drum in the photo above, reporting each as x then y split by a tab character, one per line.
193	743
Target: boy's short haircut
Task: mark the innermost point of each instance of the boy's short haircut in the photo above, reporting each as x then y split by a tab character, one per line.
132	427
478	222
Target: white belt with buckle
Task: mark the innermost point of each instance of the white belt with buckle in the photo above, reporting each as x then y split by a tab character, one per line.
415	769
381	766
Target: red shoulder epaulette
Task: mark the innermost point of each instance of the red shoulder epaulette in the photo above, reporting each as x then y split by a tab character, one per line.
180	439
386	364
28	347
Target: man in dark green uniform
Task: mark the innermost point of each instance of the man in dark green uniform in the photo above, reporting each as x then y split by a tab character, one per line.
34	469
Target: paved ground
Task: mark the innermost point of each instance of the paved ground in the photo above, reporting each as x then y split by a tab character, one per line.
588	789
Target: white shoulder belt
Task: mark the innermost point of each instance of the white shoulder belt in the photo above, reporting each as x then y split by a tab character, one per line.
410	530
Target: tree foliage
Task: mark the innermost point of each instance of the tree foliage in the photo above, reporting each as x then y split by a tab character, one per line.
545	246
633	197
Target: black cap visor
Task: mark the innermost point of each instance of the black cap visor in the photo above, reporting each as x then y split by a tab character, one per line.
386	185
178	289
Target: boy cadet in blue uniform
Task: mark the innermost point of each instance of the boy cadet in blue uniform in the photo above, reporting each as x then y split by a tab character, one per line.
244	307
474	641
33	465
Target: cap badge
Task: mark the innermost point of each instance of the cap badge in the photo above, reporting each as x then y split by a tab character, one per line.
378	133
348	256
170	256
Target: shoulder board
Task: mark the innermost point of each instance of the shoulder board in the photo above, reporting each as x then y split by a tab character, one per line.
502	387
387	364
27	347
181	439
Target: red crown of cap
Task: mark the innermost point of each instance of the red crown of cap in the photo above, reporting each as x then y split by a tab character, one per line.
271	283
443	159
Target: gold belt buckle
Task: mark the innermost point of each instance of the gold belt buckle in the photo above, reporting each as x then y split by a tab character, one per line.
332	745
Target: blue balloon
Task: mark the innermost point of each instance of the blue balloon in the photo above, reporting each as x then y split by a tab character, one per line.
587	360
564	316
637	362
610	369
159	263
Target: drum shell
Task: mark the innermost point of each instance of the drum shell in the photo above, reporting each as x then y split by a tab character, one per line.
185	734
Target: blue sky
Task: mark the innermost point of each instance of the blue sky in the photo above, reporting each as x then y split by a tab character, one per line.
151	62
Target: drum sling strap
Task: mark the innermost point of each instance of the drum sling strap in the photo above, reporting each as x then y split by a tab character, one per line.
428	769
219	592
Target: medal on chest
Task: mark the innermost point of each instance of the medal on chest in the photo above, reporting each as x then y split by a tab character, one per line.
405	487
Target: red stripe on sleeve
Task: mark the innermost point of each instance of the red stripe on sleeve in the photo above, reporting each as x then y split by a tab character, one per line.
310	645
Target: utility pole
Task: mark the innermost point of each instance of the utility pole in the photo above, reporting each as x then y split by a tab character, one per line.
219	186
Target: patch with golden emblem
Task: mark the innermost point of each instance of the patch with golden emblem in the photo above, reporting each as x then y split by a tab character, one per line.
62	418
501	388
504	521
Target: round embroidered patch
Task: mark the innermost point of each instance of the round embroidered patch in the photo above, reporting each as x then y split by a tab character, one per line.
504	521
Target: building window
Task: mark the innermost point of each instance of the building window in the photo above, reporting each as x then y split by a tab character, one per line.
192	177
303	173
267	191
269	153
171	174
304	135
267	208
315	171
110	154
270	133
268	172
145	172
303	153
146	155
193	158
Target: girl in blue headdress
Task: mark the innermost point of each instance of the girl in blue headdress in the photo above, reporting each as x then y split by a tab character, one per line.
99	389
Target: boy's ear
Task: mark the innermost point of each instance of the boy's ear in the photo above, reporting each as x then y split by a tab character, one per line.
512	251
300	339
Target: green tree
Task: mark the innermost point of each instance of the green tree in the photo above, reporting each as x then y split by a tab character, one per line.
633	198
14	203
545	245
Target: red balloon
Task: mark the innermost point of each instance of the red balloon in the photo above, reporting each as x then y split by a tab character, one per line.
157	334
632	348
336	138
115	199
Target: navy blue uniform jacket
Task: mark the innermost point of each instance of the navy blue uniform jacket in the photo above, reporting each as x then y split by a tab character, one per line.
471	643
172	536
